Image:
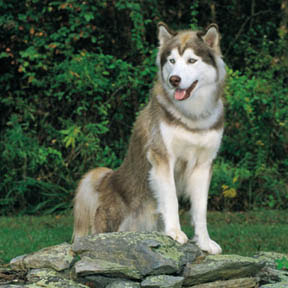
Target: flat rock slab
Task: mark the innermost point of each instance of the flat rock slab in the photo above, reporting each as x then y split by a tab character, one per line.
58	257
48	278
221	267
140	260
147	253
276	285
270	258
123	284
87	266
234	283
162	281
12	286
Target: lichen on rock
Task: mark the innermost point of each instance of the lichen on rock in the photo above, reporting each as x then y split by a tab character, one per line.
58	257
149	253
162	281
134	260
218	267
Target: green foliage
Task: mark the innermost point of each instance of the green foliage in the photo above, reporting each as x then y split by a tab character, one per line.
21	150
194	8
226	185
282	264
255	137
75	74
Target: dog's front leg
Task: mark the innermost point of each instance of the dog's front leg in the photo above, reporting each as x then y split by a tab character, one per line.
198	186
163	187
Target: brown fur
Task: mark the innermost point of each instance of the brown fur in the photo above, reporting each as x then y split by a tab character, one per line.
84	217
117	189
126	191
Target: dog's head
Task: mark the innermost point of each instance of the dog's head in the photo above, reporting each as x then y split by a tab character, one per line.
189	61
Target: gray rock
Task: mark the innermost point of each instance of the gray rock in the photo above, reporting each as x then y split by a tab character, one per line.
134	260
50	278
99	281
234	283
11	286
219	267
87	266
149	253
270	257
10	277
283	275
276	285
191	252
36	275
59	257
123	284
270	275
162	281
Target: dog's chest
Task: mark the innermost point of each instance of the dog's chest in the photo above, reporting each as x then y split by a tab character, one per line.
197	146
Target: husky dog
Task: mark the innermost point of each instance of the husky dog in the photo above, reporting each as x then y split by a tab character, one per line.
174	141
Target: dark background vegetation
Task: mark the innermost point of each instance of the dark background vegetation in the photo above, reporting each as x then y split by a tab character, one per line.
74	74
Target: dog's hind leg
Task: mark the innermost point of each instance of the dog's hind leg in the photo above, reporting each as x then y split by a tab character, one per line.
110	214
144	219
86	202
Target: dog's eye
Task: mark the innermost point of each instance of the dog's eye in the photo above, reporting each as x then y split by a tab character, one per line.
172	61
192	60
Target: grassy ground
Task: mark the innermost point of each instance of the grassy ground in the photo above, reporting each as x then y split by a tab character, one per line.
247	233
21	235
241	233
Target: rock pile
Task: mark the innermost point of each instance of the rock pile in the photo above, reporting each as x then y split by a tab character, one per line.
135	260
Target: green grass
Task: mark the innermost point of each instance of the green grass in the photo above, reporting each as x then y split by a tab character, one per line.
240	233
21	235
247	233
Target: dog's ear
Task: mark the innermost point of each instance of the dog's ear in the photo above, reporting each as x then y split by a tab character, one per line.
164	33
212	36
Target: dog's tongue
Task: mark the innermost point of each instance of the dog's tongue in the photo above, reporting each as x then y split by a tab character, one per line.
180	94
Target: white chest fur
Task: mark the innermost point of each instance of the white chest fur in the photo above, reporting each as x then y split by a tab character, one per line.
190	146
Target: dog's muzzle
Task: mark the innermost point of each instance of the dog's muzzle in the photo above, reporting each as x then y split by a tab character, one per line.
182	94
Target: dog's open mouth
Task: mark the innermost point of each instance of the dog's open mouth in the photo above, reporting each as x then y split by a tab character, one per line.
182	94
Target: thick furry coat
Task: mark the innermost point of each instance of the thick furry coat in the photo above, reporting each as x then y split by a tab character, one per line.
174	141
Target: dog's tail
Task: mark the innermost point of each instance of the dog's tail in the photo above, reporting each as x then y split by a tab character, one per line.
86	202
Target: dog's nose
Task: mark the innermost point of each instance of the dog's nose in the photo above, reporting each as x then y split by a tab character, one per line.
175	80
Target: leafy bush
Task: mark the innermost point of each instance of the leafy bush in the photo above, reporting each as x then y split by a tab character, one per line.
22	152
282	264
255	137
75	74
227	184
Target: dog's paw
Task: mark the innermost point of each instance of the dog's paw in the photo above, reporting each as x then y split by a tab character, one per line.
208	245
177	235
